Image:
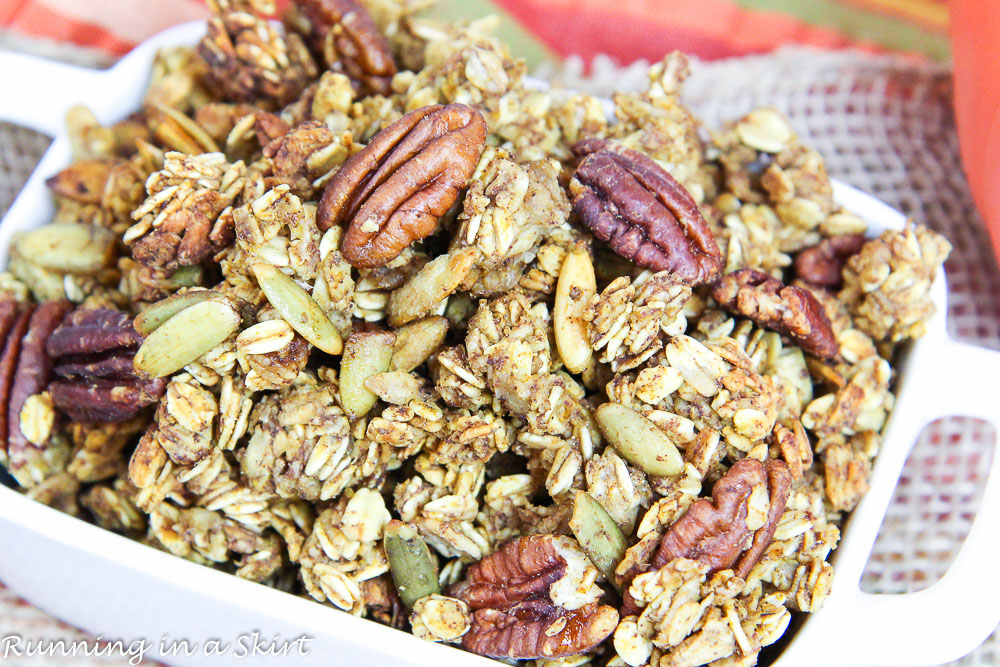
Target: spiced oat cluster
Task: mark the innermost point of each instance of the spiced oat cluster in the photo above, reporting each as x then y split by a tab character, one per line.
349	310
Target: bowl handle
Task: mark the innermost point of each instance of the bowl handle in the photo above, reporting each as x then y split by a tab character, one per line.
38	91
954	615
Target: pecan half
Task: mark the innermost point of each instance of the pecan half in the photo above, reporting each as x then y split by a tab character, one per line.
822	264
792	311
93	352
13	326
31	371
645	215
347	37
90	331
395	189
534	598
715	532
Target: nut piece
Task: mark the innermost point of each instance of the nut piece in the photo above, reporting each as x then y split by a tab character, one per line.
298	308
716	532
598	534
822	264
396	188
177	130
416	341
535	597
765	130
638	440
82	181
396	387
248	60
414	570
93	352
792	311
366	353
642	212
185	337
37	418
350	42
576	287
790	442
67	247
429	286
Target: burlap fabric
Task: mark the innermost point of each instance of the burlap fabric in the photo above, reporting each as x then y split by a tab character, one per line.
884	125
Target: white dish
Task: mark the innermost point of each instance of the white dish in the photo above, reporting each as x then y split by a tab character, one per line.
120	589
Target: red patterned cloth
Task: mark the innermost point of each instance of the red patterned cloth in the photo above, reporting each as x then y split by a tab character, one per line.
114	26
647	29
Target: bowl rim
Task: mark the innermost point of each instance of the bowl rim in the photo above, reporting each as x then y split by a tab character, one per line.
33	206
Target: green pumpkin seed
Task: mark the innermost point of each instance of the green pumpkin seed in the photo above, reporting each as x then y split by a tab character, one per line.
186	336
366	353
638	440
156	314
413	567
298	308
599	535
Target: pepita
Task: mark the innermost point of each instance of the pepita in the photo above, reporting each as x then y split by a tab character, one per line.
638	440
186	336
417	340
298	308
156	314
413	567
576	286
599	535
366	353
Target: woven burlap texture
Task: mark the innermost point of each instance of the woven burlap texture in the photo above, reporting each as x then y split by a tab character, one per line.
885	125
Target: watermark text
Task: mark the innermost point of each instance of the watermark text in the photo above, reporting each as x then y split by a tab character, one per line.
135	651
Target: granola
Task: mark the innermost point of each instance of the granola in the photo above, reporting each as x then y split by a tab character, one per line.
427	345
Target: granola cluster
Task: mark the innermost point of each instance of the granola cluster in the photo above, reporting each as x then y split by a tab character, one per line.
348	310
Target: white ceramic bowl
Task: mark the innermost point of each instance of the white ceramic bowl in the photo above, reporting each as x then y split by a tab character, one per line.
117	588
